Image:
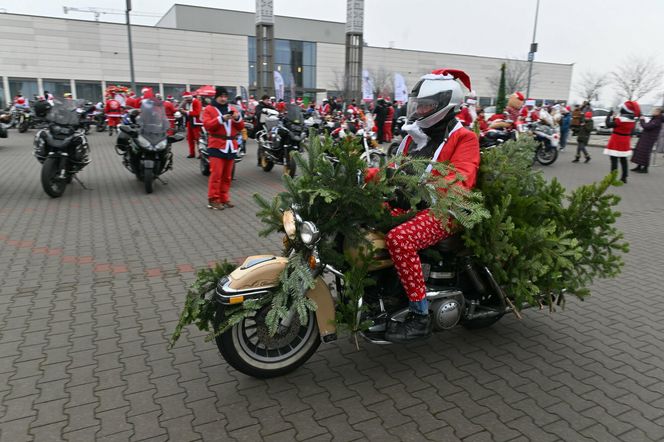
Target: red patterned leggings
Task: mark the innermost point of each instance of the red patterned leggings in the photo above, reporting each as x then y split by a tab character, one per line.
404	241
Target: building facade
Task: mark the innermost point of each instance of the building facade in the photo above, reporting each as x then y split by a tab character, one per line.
192	46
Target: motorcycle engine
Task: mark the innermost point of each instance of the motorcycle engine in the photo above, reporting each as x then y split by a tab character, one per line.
445	313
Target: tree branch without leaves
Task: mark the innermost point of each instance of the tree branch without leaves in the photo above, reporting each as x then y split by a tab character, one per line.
516	76
590	85
636	77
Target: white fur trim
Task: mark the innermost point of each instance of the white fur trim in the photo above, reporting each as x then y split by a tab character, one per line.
618	153
402	145
436	77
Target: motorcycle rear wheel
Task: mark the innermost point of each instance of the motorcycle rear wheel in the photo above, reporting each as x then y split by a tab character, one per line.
249	348
148	180
52	185
546	157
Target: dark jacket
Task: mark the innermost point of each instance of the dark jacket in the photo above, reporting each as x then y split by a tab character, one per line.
586	127
647	140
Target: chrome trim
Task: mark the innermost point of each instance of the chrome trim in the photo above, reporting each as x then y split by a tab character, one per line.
332	270
234	292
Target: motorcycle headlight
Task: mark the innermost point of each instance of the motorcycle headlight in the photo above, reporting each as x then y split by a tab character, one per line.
145	144
161	145
289	224
309	233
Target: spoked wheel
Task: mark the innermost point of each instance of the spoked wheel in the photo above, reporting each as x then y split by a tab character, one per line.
148	180
51	182
546	156
249	348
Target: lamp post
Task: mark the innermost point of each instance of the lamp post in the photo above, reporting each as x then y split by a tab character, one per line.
533	49
131	50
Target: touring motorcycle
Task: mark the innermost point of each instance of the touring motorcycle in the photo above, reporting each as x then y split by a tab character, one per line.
547	139
145	145
61	147
460	289
281	137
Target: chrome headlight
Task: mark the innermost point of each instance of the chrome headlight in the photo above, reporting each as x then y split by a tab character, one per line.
161	145
145	144
289	224
309	233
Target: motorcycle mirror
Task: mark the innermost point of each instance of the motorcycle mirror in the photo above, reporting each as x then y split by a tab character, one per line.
128	130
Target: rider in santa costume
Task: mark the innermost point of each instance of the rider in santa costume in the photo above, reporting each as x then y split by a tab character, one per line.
113	111
619	146
192	109
434	133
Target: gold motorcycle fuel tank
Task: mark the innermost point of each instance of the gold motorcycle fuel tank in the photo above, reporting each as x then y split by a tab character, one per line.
381	255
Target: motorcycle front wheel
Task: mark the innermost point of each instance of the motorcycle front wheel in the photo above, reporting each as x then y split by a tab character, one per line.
148	180
52	184
249	348
266	164
545	156
23	126
291	166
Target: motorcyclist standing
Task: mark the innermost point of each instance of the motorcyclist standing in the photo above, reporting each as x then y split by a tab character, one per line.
434	134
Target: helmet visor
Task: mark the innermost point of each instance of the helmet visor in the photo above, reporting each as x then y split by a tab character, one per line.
422	107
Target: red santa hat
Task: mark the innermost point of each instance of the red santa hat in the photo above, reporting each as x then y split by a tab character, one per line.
186	94
520	96
20	100
455	74
632	107
588	115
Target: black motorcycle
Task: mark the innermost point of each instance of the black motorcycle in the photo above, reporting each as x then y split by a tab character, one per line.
145	145
282	136
496	137
61	147
204	156
24	120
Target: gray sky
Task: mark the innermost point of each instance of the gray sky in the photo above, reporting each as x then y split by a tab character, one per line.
595	35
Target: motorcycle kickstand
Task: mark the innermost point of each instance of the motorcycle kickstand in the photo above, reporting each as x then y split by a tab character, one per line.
162	181
81	183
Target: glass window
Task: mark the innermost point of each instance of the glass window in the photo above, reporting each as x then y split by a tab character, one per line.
25	86
252	49
309	77
88	90
309	53
174	90
282	52
57	87
2	95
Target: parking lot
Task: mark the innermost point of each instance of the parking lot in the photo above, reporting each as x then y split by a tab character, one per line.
91	285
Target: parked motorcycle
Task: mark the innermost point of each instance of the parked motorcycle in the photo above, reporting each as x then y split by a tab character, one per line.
373	156
495	137
61	147
547	139
5	123
282	136
204	160
24	119
145	145
460	289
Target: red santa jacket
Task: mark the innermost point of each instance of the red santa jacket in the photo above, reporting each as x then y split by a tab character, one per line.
169	109
194	112
133	102
465	117
113	109
222	134
620	140
462	150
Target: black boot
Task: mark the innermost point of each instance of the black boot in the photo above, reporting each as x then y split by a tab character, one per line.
636	169
587	159
576	159
412	328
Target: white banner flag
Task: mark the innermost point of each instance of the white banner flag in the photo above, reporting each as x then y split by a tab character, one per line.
367	86
400	89
278	86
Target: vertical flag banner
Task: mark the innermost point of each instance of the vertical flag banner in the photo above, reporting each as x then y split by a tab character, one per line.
400	89
367	86
278	86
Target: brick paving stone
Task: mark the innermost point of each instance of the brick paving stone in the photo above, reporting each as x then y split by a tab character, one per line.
84	353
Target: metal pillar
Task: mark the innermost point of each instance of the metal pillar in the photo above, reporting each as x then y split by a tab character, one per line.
265	47
131	50
533	49
354	44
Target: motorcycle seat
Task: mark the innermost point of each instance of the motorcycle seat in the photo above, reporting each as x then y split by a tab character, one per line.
451	244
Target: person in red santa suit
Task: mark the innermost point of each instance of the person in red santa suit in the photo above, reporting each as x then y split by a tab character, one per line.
132	101
468	112
510	115
223	124
113	111
169	109
619	147
389	116
191	107
528	112
437	135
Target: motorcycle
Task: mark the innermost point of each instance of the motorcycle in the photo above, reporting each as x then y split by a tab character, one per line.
282	136
24	119
547	139
204	162
495	137
5	123
61	147
373	156
145	145
460	289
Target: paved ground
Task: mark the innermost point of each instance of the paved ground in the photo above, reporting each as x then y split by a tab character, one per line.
91	285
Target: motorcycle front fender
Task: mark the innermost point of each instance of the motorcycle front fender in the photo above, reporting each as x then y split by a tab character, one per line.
259	275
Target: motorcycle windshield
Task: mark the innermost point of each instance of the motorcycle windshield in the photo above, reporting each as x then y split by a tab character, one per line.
294	113
64	112
153	121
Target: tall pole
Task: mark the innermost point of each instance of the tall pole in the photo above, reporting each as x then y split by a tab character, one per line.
131	50
533	49
265	47
354	44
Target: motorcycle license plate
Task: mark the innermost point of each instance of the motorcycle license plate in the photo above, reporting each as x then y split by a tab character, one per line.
148	164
